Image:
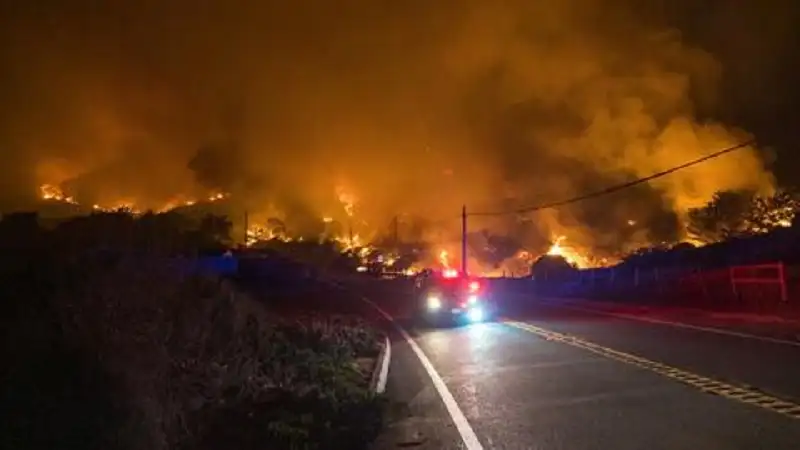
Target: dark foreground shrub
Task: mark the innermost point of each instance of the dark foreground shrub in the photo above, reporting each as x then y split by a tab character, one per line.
57	399
130	352
285	419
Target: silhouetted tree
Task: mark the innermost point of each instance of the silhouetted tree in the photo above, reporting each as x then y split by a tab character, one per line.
723	217
217	228
493	248
276	227
552	267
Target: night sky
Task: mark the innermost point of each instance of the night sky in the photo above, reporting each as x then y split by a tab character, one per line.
756	44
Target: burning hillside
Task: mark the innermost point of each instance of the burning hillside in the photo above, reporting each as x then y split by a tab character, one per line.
760	214
53	193
375	117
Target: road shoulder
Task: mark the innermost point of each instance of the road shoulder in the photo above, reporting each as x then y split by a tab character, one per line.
415	415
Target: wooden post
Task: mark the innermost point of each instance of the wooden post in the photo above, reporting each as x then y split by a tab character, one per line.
782	275
702	282
464	240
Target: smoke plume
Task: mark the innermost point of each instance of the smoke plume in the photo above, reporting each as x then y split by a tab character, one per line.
417	107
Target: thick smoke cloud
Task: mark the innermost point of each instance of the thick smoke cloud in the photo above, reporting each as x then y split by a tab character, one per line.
416	107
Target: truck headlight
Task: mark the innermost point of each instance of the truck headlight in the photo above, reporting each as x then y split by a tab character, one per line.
434	302
475	314
472	300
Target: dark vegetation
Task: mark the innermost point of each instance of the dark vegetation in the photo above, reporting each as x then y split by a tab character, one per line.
735	228
552	268
112	340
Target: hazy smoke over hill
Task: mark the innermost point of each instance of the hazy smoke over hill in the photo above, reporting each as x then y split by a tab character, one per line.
416	107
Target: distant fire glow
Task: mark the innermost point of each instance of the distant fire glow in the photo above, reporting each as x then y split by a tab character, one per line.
50	192
344	225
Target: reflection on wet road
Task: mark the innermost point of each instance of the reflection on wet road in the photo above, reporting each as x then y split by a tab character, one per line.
564	379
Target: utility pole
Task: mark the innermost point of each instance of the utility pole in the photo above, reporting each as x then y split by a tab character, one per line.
350	231
396	231
464	240
246	225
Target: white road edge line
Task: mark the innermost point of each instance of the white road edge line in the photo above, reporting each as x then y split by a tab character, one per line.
383	375
468	435
670	323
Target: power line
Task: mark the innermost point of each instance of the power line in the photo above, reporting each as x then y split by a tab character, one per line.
618	187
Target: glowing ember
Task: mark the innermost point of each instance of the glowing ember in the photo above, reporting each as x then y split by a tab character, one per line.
217	196
767	214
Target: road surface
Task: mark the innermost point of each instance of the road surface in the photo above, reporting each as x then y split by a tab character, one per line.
557	377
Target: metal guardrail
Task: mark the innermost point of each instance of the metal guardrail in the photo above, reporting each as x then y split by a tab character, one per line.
773	273
660	279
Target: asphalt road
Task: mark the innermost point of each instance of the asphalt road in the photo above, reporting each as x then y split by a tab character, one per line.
565	378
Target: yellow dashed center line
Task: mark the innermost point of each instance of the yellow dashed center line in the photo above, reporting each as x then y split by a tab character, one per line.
705	384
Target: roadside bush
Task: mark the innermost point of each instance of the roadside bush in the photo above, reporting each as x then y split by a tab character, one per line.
130	352
332	334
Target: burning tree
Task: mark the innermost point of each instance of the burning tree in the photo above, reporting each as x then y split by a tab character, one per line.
493	249
733	214
723	217
567	253
770	213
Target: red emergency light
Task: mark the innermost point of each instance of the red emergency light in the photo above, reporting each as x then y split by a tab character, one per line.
450	273
474	286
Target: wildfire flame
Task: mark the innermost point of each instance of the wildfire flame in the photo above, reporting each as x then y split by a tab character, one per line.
350	243
766	216
255	234
347	199
51	192
568	253
444	259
